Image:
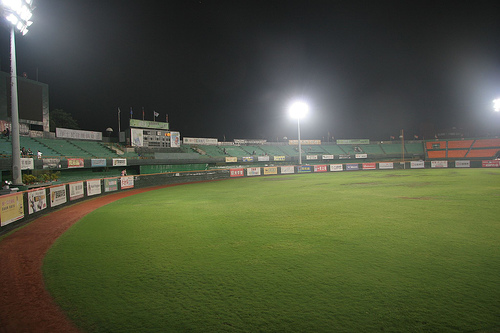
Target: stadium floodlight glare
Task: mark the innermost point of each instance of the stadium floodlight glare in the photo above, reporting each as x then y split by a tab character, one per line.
299	110
18	13
496	105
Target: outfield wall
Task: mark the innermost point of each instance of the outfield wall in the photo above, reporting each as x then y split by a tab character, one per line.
21	207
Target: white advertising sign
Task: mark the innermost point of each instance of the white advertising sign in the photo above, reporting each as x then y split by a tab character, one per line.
361	155
93	187
263	158
336	167
75	190
253	171
439	164
462	164
57	195
78	134
119	162
327	157
311	157
386	165
417	165
27	163
287	169
126	182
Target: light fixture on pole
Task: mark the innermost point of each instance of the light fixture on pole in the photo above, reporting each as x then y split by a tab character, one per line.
496	105
299	110
18	13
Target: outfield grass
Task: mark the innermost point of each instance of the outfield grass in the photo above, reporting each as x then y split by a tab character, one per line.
391	251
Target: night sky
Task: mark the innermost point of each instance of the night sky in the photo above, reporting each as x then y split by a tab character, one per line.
230	68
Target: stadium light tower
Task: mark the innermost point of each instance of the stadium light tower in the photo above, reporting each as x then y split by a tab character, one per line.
299	110
18	13
496	105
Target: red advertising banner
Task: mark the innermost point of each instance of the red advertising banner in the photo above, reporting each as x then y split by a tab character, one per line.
320	168
75	162
236	172
369	166
491	164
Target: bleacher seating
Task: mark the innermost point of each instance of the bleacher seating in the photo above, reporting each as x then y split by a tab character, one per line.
96	149
464	144
457	153
486	153
334	150
485	143
391	149
414	148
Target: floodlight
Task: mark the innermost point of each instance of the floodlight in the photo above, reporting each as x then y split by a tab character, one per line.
18	13
299	109
496	105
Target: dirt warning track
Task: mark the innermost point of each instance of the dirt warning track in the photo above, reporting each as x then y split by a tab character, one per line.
25	304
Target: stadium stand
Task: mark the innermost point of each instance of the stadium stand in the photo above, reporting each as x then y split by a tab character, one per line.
414	148
96	149
485	153
435	145
457	153
391	149
334	149
463	144
485	143
436	153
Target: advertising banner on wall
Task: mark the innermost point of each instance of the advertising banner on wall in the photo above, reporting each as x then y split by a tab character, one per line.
51	163
75	190
270	170
336	167
320	168
386	165
304	142
200	141
253	171
93	187
175	139
311	157
304	168
137	137
126	182
148	124
491	164
344	157
236	172
57	195
110	184
462	164
352	166
439	164
98	162
417	165
287	169
12	208
263	158
75	163
231	159
327	157
247	159
37	201
279	158
67	133
27	163
119	162
361	155
369	166
354	142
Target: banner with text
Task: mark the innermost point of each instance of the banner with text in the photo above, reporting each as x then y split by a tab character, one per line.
352	166
75	190
462	164
320	168
93	187
126	182
439	164
75	163
253	171
270	170
336	167
12	208
287	169
386	165
491	164
37	201
417	165
110	184
236	172
57	195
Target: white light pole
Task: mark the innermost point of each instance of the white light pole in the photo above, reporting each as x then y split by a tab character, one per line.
18	13
496	105
299	110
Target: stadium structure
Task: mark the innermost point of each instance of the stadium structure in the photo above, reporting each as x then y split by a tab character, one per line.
76	164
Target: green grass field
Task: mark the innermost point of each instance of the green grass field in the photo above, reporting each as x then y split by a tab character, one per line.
367	251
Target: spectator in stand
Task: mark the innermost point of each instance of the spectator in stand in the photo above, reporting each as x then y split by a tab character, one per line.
23	152
30	153
39	154
6	133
